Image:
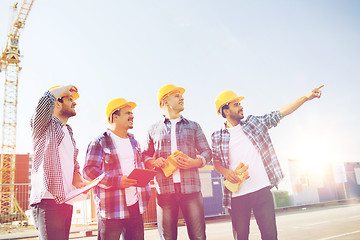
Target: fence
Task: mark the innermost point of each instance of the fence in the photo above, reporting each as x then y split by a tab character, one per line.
84	213
18	204
84	210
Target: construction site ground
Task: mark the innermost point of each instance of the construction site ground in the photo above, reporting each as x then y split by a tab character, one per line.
335	220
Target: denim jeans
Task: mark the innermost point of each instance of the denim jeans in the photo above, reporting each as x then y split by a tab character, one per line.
52	220
131	228
262	204
192	208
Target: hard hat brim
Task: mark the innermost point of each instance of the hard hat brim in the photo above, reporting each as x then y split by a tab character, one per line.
74	95
132	105
176	89
229	101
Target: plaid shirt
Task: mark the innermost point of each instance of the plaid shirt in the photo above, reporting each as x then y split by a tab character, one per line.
101	156
256	128
190	139
47	135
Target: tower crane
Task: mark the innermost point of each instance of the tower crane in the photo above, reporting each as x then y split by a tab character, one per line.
9	63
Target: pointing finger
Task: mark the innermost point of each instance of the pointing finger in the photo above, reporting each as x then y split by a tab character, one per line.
319	87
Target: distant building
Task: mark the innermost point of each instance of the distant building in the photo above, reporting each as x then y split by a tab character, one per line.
304	184
330	183
352	185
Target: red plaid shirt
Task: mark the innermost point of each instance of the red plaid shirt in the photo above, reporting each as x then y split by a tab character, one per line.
110	199
47	135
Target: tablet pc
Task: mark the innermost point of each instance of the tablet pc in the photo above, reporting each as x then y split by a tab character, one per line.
143	176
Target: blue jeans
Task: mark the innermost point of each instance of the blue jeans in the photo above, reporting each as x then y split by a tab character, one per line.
262	204
192	208
132	228
52	220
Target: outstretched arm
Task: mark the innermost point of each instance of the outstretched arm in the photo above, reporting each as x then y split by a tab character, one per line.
291	107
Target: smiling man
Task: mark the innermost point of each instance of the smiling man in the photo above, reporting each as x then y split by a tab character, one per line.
55	169
249	142
119	202
181	189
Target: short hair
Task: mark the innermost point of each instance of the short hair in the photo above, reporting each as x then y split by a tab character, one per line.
226	106
61	99
117	112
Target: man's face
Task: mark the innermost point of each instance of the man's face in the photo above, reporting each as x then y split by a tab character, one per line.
175	101
67	107
235	111
125	119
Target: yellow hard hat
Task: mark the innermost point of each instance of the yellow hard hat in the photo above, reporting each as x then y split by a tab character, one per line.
224	98
165	90
74	95
116	104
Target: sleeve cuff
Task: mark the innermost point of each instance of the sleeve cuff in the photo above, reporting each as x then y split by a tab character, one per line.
147	159
116	181
279	114
202	159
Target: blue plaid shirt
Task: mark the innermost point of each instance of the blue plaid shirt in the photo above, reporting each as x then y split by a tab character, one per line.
256	128
110	199
190	139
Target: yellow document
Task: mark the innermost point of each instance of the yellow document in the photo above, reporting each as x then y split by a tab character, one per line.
170	165
235	187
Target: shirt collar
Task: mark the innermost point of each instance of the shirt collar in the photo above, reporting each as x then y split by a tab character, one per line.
182	119
224	128
59	121
108	132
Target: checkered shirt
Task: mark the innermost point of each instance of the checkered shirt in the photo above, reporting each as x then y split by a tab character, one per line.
47	135
110	199
190	140
256	128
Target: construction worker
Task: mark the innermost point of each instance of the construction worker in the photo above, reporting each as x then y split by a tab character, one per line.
55	168
248	142
182	188
120	204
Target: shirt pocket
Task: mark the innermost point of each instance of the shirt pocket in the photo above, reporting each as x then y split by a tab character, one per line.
107	158
186	136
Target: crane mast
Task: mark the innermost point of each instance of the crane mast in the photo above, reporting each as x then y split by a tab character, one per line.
10	64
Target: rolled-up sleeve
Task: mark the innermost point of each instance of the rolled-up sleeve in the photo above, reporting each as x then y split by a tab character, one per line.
270	120
202	145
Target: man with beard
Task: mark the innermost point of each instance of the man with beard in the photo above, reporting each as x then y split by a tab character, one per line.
181	189
55	168
248	142
120	204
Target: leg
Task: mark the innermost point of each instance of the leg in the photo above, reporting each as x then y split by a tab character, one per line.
167	215
192	208
68	217
264	212
53	220
134	226
240	213
109	229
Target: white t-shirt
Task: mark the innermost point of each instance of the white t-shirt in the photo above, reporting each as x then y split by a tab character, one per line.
241	149
176	174
66	153
127	162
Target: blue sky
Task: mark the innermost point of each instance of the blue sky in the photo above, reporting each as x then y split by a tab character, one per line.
270	52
